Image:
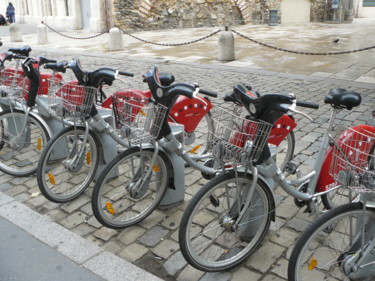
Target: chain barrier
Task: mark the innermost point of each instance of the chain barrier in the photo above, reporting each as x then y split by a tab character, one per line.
72	37
170	44
300	52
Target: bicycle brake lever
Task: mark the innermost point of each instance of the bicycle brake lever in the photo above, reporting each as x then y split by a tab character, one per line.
299	112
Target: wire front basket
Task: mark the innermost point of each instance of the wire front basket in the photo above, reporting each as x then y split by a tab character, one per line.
138	119
353	158
70	100
236	139
12	85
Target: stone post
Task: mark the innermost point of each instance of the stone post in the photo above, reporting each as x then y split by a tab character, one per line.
226	46
42	31
115	39
15	33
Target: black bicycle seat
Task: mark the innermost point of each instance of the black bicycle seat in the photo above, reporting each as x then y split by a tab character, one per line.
22	51
341	98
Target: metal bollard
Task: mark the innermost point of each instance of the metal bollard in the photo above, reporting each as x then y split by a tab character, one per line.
226	46
15	33
115	39
42	31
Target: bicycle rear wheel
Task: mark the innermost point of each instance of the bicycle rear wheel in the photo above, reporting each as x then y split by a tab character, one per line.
63	173
119	199
20	147
325	247
207	238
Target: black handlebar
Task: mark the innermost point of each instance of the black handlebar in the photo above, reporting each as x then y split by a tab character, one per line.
126	73
307	104
208	93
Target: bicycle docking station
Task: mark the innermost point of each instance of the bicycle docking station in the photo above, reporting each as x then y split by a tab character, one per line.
109	145
175	192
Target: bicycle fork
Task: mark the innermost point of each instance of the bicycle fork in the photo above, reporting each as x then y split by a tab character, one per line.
140	183
76	157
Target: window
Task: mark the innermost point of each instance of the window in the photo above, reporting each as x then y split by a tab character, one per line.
368	3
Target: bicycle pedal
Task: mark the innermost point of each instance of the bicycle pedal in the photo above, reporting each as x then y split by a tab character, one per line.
291	168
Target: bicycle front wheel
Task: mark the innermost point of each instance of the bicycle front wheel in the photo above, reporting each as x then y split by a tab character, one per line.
67	165
323	250
20	145
122	195
208	238
285	150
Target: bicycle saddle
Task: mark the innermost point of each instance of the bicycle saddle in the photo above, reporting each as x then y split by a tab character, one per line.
22	51
341	98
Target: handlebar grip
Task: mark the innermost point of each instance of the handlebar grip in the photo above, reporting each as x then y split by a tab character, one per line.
126	73
308	104
208	93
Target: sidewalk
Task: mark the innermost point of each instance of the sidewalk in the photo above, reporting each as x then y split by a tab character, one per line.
98	253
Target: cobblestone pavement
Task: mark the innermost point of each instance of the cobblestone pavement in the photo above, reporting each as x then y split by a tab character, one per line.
153	244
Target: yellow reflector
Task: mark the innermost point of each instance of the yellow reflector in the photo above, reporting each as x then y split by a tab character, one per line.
156	169
39	144
142	113
313	263
110	207
195	149
88	158
51	178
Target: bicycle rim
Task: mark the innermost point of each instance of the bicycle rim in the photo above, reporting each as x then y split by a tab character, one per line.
20	148
114	203
57	179
205	240
328	243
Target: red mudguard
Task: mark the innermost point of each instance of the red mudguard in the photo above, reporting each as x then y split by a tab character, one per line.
348	138
190	112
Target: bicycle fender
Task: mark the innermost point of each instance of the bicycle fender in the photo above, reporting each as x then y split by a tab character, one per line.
281	129
348	138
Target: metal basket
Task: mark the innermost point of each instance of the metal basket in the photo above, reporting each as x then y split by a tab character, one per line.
138	120
70	100
353	159
236	139
12	85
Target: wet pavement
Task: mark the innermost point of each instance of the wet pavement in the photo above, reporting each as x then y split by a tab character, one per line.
153	244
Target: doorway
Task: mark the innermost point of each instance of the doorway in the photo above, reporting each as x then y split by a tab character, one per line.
86	13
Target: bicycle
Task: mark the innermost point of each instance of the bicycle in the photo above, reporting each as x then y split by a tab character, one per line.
150	174
227	219
25	126
339	245
60	182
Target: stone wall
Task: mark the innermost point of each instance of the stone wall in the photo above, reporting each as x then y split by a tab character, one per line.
162	14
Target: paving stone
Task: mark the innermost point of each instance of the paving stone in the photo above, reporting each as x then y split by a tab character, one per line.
56	215
130	235
73	220
281	268
284	237
173	220
22	197
175	263
265	256
105	233
216	276
15	190
271	277
297	224
75	204
83	229
245	274
112	247
165	248
5	186
285	210
133	252
87	209
94	222
153	236
189	273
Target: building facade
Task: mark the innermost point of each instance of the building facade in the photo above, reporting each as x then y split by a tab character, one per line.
101	15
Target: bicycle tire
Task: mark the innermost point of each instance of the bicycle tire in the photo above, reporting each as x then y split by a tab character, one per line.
202	211
19	157
285	151
325	240
57	180
114	206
